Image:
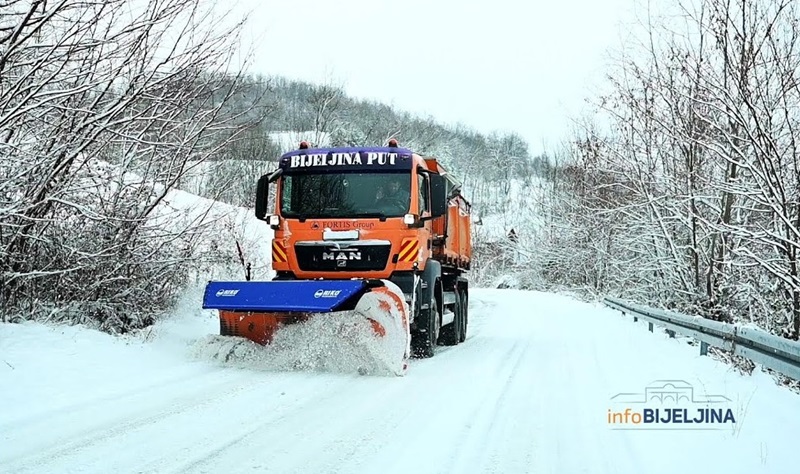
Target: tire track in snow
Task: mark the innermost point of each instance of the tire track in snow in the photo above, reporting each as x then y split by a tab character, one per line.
349	426
363	442
573	409
344	424
614	440
308	413
469	454
441	419
488	418
429	408
109	428
88	404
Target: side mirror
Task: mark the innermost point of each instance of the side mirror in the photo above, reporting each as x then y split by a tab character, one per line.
262	197
455	191
438	195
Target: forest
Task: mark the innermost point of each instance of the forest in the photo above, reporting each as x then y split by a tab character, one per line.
106	110
680	189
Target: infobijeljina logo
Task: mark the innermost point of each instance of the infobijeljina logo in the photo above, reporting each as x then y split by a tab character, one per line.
670	405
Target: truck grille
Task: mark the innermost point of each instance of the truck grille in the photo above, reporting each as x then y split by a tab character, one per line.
332	259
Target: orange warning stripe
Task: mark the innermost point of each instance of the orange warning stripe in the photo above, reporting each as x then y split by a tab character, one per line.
278	252
409	250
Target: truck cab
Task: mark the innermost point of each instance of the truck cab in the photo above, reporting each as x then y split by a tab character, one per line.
352	212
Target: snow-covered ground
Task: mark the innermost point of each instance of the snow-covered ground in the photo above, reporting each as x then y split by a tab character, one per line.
529	391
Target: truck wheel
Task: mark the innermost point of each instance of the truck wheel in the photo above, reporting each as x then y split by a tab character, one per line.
464	298
430	338
451	334
424	342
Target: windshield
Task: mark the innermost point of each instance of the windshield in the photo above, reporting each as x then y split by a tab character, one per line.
346	195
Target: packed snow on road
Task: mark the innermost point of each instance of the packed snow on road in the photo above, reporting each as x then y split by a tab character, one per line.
543	384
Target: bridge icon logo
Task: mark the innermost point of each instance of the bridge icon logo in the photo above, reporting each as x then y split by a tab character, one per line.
666	391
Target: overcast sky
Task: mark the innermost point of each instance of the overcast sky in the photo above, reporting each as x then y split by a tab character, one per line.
513	65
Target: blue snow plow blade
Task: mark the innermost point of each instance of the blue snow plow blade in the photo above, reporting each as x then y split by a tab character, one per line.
310	296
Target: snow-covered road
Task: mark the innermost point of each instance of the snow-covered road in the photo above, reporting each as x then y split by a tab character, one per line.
529	391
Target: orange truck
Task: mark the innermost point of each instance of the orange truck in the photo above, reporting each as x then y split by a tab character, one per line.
380	231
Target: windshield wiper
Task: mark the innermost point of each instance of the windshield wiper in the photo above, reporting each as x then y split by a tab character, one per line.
303	216
368	215
295	215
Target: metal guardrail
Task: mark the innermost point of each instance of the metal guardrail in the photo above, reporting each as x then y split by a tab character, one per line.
776	353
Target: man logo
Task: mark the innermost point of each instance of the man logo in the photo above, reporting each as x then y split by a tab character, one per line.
342	255
327	293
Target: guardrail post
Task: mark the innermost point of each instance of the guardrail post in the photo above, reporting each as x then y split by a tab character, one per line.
650	326
703	348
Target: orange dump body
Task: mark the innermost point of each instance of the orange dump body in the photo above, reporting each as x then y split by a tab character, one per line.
456	244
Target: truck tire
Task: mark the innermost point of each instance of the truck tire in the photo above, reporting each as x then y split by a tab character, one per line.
451	334
424	342
427	340
464	298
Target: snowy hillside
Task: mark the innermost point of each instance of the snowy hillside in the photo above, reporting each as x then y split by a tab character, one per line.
521	209
209	176
216	226
510	232
223	226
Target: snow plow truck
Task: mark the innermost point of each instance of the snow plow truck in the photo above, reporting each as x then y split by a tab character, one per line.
382	232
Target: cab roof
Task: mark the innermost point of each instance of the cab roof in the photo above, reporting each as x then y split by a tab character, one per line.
348	149
358	159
